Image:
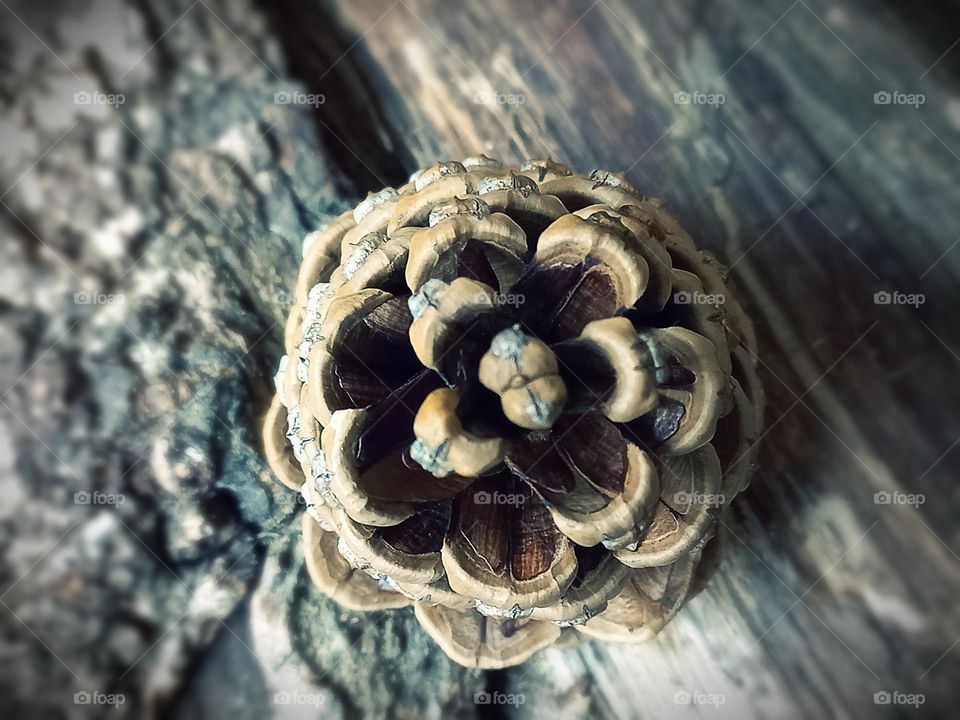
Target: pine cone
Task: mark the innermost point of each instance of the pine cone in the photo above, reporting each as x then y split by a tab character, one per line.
517	399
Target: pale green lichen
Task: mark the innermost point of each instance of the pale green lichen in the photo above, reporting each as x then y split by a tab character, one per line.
425	297
509	343
539	410
431	459
659	364
367	205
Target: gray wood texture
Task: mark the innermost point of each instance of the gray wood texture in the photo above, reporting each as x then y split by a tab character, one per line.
189	201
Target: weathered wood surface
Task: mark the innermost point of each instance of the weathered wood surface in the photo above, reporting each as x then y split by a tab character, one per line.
190	200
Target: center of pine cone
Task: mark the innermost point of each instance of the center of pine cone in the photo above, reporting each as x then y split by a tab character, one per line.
517	398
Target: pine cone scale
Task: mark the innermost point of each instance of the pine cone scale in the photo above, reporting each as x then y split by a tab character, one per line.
506	402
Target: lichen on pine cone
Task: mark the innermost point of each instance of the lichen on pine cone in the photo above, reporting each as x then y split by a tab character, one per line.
517	399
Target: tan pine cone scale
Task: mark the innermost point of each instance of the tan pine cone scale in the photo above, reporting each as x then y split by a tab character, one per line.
517	399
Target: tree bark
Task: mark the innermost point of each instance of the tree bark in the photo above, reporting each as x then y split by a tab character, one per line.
152	232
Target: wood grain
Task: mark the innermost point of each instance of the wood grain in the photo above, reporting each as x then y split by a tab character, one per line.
191	199
817	198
